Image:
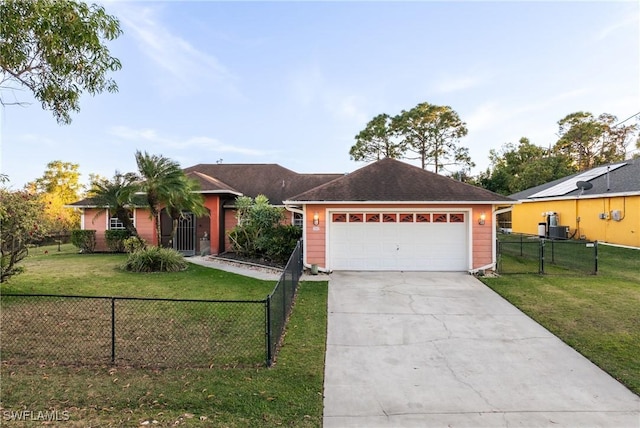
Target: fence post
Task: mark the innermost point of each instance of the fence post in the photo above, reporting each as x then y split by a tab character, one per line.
113	330
595	257
521	246
268	331
284	295
541	257
553	251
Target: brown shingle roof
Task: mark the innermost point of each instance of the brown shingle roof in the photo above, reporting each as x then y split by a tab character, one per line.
392	180
274	181
210	184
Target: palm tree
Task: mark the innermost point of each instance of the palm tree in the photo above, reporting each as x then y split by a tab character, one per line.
163	181
117	196
185	198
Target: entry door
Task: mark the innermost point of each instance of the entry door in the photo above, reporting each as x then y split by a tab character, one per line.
186	235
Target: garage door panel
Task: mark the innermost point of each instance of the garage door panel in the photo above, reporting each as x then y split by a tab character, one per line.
399	246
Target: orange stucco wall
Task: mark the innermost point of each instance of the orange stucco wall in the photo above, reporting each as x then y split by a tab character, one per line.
230	221
481	235
96	219
212	203
145	225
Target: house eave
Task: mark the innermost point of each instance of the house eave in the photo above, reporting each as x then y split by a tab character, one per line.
574	197
101	207
218	192
293	202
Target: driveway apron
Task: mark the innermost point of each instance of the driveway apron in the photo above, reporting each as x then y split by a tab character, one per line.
424	349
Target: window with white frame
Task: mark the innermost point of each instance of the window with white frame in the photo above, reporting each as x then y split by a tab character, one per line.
116	224
297	219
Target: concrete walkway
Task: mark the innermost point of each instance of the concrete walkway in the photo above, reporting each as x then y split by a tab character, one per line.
409	349
257	272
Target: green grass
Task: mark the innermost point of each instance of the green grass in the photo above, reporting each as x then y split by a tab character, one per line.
598	315
67	272
288	394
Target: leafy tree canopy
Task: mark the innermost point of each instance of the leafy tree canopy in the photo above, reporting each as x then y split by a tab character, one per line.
591	141
518	167
59	186
56	50
377	141
429	131
21	223
432	132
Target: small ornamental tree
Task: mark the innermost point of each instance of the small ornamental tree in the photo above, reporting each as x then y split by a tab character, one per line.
260	232
20	225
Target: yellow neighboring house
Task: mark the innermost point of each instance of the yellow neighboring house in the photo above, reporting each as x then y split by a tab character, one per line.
600	204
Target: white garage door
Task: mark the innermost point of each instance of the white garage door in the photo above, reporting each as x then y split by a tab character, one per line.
422	241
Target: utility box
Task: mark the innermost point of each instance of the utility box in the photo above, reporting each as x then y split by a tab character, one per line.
542	230
616	215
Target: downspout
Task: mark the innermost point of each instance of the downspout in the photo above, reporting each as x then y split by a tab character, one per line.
304	241
494	237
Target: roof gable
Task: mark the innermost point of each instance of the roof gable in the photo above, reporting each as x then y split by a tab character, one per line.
393	180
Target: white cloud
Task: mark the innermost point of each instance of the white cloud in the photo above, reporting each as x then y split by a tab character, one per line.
347	107
186	68
199	142
310	88
30	138
629	20
457	83
485	116
495	113
306	85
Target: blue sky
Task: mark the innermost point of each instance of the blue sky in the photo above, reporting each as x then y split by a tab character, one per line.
294	82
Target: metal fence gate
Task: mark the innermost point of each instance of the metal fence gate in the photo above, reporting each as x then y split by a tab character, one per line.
186	235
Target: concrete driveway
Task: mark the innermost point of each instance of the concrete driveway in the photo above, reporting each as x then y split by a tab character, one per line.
418	349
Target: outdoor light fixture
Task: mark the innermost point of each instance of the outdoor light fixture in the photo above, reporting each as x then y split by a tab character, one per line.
316	219
481	219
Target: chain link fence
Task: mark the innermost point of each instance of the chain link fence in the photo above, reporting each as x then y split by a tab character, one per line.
280	302
73	330
147	332
533	254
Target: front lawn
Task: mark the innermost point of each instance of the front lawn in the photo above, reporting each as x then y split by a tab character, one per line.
598	315
67	272
288	394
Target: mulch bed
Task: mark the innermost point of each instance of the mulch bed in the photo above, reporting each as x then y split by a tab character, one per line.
254	260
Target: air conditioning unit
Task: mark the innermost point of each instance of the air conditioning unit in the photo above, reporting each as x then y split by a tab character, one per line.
559	232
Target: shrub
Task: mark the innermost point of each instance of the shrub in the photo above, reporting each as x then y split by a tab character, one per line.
257	221
133	244
155	259
84	239
115	240
281	242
